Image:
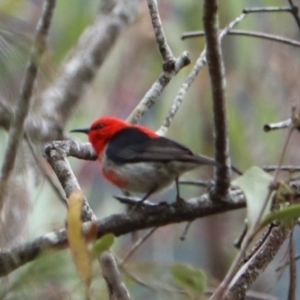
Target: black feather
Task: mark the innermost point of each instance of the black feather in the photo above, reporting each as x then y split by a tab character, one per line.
133	145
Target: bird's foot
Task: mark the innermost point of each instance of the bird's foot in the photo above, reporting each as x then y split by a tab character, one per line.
180	200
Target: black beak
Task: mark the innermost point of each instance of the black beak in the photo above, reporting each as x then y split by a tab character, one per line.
85	130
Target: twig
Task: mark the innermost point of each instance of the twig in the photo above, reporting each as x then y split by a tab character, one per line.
265	36
56	156
224	289
156	89
79	70
203	183
294	12
255	34
266	9
43	169
252	268
293	270
171	66
117	289
217	78
278	125
186	229
200	63
136	245
23	104
282	168
164	49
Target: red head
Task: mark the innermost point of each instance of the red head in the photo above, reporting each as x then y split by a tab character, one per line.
103	130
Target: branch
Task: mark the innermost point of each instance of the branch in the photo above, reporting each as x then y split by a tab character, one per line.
117	289
171	66
56	154
120	224
217	78
200	63
79	70
251	269
261	35
23	104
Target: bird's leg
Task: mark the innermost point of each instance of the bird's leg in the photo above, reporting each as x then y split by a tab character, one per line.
179	200
147	196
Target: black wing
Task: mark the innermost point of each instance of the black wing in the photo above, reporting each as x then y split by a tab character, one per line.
133	145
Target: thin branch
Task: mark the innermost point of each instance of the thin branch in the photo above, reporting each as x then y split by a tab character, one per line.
136	245
295	12
200	63
41	165
265	36
156	89
116	287
56	156
278	125
252	268
255	34
171	66
282	168
164	49
81	66
293	269
23	104
217	78
267	9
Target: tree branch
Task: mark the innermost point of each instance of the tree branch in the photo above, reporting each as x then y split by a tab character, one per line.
23	104
217	78
120	224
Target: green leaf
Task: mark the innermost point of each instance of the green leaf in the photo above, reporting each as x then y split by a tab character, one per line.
286	213
255	185
193	280
102	245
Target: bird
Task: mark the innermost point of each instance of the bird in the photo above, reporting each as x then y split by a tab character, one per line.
137	160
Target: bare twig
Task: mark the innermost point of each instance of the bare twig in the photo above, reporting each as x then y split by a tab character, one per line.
279	125
282	168
116	287
255	34
186	229
200	63
164	49
224	289
265	36
293	269
23	104
41	165
156	89
56	156
266	9
171	66
79	70
251	269
136	245
217	78
295	12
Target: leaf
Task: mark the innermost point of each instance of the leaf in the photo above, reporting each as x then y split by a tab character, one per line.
76	240
103	244
193	280
255	185
286	213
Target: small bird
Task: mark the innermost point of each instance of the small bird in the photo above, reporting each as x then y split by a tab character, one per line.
136	159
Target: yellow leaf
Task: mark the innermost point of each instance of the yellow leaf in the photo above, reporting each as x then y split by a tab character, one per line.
76	240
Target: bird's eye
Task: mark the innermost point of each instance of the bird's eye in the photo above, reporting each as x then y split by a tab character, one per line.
98	126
